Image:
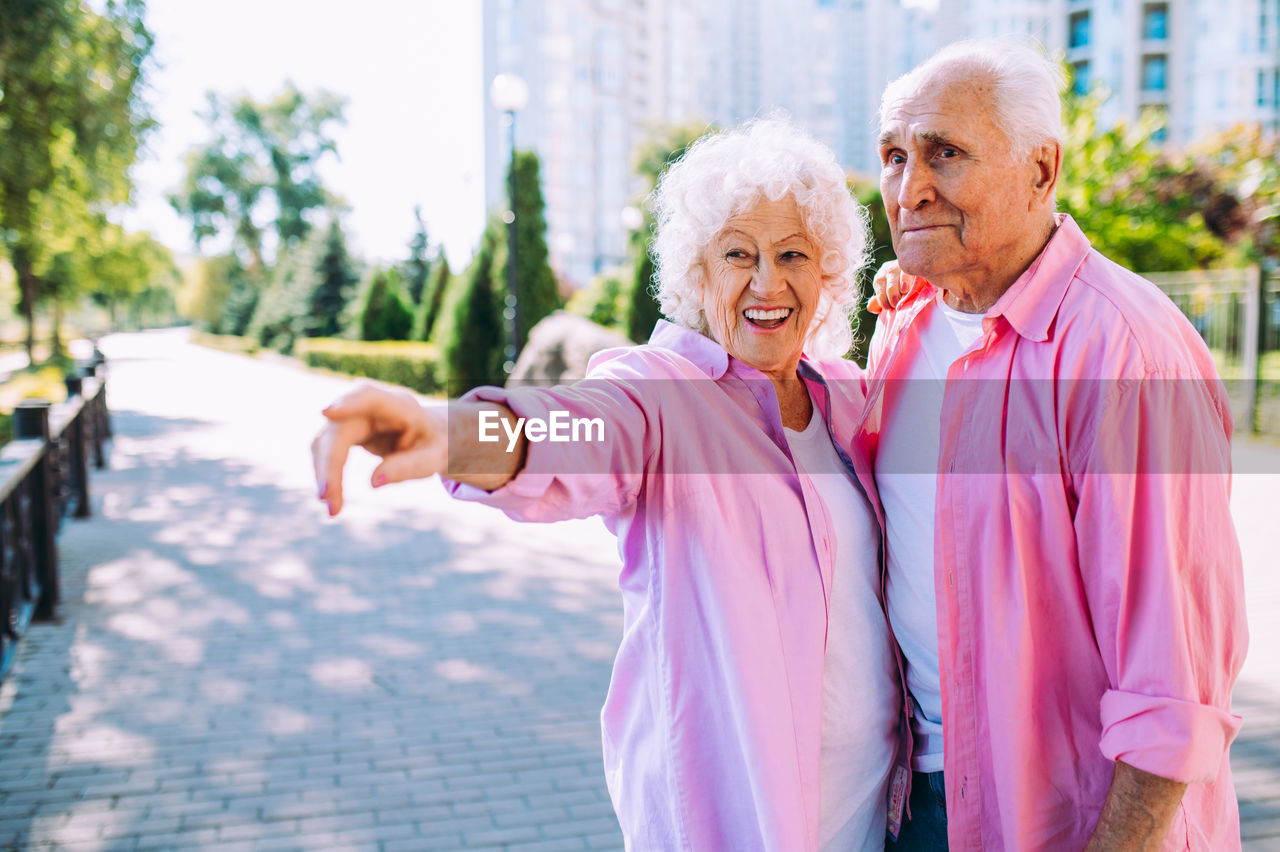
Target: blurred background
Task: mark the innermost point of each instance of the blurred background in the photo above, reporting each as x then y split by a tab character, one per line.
304	178
439	194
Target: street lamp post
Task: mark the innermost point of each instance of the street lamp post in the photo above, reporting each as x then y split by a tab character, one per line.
509	95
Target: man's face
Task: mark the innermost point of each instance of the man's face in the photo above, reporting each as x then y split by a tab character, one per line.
959	206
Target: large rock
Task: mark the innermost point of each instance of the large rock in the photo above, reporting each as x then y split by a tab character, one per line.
559	347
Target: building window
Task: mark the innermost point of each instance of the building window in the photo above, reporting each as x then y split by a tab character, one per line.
1080	78
1155	22
1079	30
1159	116
1262	88
1153	73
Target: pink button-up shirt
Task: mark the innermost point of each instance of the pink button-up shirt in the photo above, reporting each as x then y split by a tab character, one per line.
712	724
1088	579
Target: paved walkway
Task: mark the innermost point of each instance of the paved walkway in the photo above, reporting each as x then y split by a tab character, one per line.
232	671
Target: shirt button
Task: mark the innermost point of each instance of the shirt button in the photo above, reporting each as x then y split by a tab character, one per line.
950	579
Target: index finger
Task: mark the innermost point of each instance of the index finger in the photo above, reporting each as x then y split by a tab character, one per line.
329	453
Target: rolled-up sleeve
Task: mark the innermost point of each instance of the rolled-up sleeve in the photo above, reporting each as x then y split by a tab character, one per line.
1163	575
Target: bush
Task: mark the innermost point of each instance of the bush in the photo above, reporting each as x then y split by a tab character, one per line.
44	382
383	313
225	342
642	308
411	365
601	300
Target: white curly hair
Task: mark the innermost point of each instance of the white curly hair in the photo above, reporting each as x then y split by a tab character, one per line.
725	174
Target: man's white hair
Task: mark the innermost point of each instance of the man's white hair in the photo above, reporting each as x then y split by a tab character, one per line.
1027	87
724	175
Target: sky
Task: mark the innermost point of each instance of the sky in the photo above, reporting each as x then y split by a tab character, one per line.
410	70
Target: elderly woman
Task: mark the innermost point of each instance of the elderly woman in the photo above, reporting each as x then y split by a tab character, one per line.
755	697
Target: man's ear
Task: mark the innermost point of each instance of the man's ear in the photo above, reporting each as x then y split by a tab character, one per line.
1047	160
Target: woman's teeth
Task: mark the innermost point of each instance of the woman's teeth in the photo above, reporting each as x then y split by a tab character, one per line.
767	318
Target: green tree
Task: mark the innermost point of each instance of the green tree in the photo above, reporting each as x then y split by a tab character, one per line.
205	288
654	156
281	314
642	308
428	311
1246	162
72	119
335	280
535	283
130	272
880	250
472	337
417	268
261	161
383	313
243	291
1138	205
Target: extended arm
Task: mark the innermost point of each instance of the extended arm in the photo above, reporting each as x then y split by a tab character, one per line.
1138	810
413	441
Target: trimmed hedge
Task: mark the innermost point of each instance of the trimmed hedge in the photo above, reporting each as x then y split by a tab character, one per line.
412	365
42	383
226	342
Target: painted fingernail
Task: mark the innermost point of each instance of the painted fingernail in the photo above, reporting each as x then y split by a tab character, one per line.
332	512
380	480
324	489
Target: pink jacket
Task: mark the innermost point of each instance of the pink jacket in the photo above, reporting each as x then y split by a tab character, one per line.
712	722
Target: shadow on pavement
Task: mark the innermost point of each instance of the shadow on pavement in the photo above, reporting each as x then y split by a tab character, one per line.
228	665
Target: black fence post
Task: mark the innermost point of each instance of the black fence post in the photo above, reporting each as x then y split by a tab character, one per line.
100	425
31	421
99	369
80	428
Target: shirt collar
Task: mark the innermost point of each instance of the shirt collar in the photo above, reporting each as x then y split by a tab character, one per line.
700	350
707	355
1032	301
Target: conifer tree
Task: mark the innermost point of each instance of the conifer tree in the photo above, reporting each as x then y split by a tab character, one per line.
417	269
383	314
335	280
535	283
472	340
428	312
641	307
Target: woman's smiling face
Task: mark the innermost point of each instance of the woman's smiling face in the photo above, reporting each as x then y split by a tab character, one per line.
762	285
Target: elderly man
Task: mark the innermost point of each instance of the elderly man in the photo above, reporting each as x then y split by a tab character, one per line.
1052	452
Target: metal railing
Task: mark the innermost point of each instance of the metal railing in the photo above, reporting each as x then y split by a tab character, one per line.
1235	311
44	477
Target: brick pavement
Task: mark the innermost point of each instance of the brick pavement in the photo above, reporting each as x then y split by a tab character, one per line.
1255	756
233	672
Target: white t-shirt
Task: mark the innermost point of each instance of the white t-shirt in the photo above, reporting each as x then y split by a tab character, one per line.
906	476
859	680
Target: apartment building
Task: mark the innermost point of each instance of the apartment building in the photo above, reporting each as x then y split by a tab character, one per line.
602	73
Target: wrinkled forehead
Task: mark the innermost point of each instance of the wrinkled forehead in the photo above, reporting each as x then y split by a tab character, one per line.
770	220
949	101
